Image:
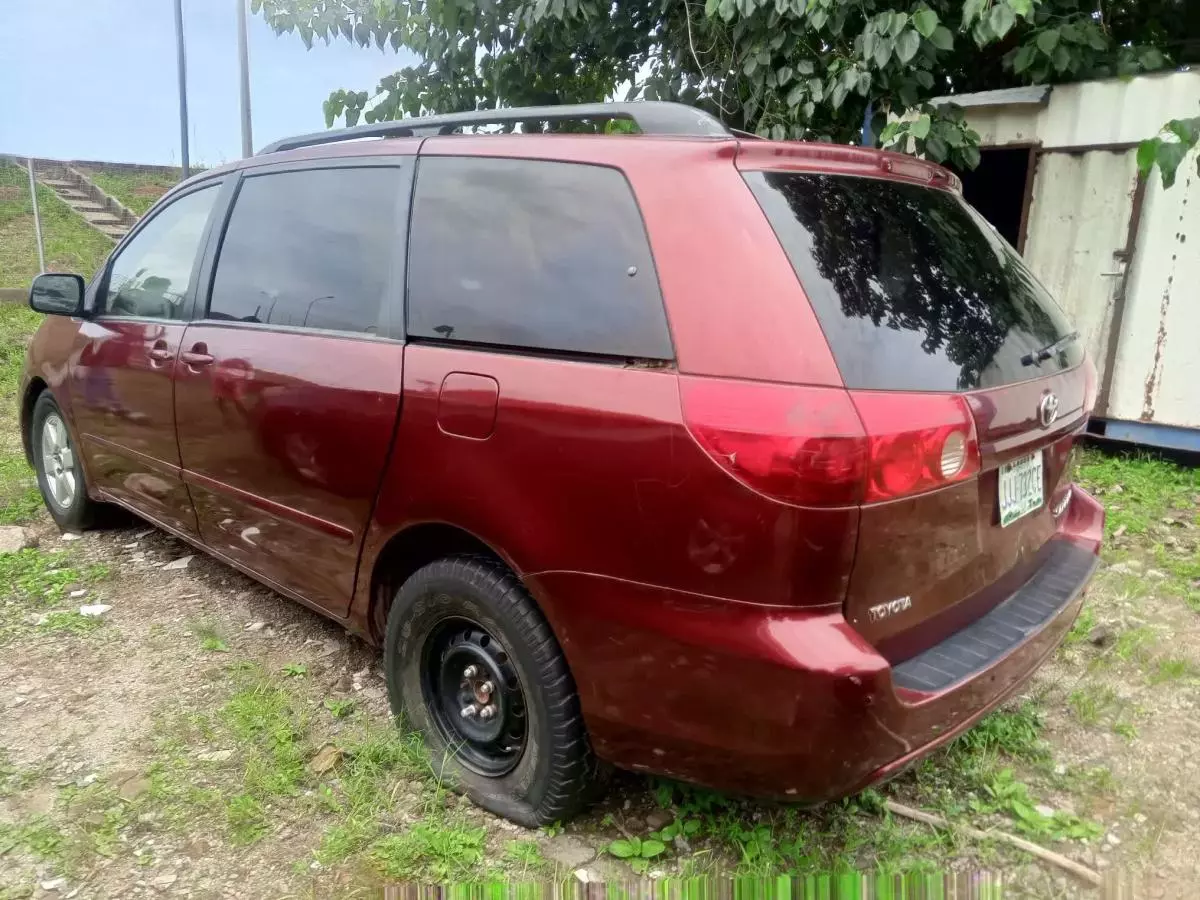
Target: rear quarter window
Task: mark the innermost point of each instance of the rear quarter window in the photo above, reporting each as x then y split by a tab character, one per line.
532	254
913	289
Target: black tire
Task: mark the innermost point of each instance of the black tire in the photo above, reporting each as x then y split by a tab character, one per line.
550	778
79	511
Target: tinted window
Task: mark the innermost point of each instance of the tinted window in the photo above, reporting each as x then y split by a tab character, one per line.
533	254
913	289
311	248
151	275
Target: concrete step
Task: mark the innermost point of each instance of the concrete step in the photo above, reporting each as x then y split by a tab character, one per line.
115	232
74	196
89	206
58	184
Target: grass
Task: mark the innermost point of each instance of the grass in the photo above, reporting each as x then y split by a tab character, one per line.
33	582
19	497
137	190
71	245
1138	490
431	852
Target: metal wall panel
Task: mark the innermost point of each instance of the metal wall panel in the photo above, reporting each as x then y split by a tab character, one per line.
1078	219
1157	371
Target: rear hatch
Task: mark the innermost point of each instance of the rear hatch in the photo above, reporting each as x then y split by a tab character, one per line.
969	382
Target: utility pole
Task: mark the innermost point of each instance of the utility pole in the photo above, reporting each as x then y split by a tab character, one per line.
37	217
183	110
244	66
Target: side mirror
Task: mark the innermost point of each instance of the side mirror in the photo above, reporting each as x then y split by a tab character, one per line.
57	295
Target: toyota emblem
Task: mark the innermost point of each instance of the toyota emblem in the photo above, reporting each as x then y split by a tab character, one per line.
1048	409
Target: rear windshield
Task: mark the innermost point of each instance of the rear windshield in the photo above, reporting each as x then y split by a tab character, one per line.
913	289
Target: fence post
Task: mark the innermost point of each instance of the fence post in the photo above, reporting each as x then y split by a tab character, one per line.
37	218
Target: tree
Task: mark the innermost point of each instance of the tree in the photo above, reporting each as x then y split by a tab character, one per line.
811	69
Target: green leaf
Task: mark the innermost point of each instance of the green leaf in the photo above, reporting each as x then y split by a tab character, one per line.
942	38
971	9
622	849
1024	58
936	148
1001	19
1187	130
924	78
1151	58
925	20
838	95
652	848
795	96
805	67
883	51
1047	41
818	18
727	10
1147	152
710	7
864	83
750	65
890	131
783	75
970	156
920	127
897	23
1061	58
907	45
1168	156
1023	8
1096	38
870	40
816	89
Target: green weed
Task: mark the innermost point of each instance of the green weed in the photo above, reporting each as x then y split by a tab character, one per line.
39	836
246	819
1092	702
339	708
430	852
69	622
1007	795
638	852
1082	628
525	854
295	670
1172	669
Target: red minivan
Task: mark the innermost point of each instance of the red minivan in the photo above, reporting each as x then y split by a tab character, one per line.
737	461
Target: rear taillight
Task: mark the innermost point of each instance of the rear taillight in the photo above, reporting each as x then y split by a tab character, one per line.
819	446
1089	385
801	445
916	442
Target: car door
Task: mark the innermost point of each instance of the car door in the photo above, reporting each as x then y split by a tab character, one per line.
120	385
288	384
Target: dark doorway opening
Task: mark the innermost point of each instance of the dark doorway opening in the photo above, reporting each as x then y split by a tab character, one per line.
997	188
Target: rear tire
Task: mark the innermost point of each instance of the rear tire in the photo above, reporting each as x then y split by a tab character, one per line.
457	627
59	467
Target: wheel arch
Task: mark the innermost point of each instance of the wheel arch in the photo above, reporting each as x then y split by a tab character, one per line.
33	390
411	548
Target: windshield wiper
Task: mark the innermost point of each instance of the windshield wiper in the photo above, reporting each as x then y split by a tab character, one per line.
1039	356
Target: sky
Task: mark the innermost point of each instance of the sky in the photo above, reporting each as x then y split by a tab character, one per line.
96	79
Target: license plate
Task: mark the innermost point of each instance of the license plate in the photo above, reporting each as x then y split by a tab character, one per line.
1020	487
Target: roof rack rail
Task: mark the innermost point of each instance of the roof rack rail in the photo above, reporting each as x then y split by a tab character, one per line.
651	116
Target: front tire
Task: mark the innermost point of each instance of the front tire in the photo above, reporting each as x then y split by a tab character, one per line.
472	664
58	466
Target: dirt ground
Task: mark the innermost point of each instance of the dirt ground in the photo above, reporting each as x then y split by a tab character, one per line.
204	737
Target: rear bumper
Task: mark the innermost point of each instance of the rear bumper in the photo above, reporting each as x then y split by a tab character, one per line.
784	703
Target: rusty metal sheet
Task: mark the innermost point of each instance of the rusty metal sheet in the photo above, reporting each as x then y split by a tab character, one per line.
1078	227
1157	371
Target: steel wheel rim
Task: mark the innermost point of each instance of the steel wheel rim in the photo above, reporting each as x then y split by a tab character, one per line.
58	462
456	697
